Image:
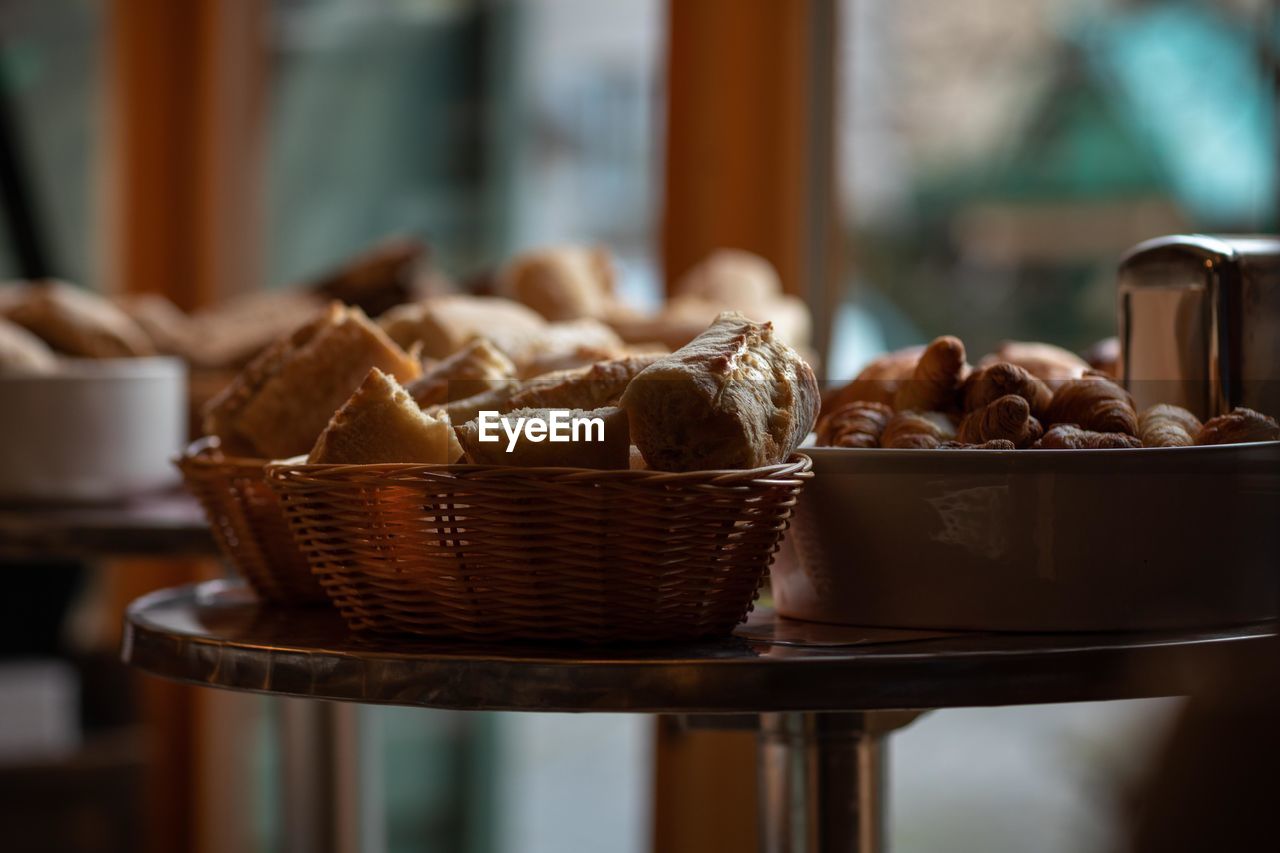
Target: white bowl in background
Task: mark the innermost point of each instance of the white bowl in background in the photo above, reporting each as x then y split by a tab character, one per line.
1046	540
94	430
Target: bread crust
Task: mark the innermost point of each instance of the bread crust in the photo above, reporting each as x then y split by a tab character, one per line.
380	423
468	371
734	397
284	399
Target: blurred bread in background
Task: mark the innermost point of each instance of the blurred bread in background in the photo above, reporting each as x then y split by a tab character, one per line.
561	282
78	322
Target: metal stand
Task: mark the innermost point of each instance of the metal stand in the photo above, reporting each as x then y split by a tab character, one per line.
822	781
330	778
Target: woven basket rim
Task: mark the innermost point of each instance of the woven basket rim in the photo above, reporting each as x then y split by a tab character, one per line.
207	451
798	465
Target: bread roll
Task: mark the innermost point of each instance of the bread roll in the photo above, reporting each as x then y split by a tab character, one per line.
79	323
282	401
606	445
380	423
234	333
445	324
556	346
23	352
599	384
735	397
468	371
562	282
732	278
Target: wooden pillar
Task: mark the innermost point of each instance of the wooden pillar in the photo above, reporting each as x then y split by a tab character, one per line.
182	212
749	138
180	215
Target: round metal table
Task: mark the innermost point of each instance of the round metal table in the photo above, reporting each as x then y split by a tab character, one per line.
825	695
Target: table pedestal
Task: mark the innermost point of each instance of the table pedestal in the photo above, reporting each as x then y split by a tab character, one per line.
822	781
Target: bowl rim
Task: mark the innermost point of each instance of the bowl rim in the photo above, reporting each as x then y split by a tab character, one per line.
1040	453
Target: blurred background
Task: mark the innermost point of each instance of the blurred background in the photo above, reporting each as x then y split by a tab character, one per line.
973	167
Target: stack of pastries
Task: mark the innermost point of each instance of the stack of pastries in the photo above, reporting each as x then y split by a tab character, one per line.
1023	396
411	386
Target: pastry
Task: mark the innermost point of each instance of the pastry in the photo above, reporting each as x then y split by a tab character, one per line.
990	383
734	397
23	352
234	333
445	324
1163	425
732	278
523	437
1008	417
380	423
282	401
1239	426
561	283
556	346
78	322
599	384
858	424
166	325
878	381
934	384
1093	403
470	370
1052	364
1072	437
1104	357
379	278
917	430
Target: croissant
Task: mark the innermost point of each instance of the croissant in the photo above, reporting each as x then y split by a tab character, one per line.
935	383
921	430
878	381
994	381
1093	403
1052	364
1240	426
1164	425
1072	437
1008	417
859	424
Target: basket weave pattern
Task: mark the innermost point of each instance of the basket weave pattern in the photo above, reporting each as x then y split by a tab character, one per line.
487	552
248	524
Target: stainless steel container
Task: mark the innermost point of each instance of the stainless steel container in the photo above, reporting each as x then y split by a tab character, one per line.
1200	322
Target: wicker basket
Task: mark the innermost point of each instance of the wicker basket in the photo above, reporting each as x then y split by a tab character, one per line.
487	552
247	523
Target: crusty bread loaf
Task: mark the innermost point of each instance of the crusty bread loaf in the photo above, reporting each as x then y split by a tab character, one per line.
556	346
78	322
278	405
444	324
735	397
560	282
380	423
607	446
470	370
590	387
23	352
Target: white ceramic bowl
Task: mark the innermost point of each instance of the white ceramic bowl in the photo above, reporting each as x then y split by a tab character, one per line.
1050	540
95	430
